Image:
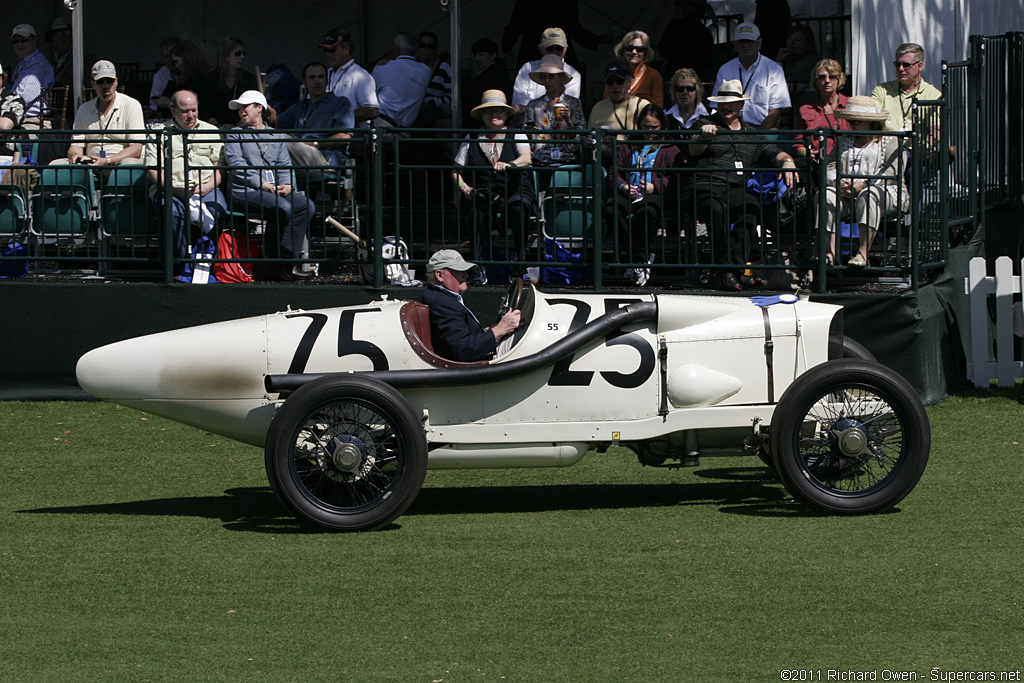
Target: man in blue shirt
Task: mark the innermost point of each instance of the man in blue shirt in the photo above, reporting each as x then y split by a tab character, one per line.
32	73
455	332
319	111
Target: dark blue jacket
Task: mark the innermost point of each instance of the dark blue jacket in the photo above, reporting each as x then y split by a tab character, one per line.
456	334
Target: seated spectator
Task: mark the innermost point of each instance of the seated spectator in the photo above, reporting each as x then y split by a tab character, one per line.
868	200
436	111
763	81
489	181
12	115
401	84
618	111
107	117
897	97
225	82
261	179
159	103
644	82
62	58
320	110
187	67
554	111
525	90
347	79
798	57
488	74
636	205
195	174
720	197
687	42
688	93
32	73
828	79
455	332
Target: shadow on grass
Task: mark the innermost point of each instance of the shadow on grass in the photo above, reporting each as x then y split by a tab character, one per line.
241	509
747	491
734	490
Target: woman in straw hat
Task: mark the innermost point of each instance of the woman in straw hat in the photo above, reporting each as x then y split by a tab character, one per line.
489	182
720	198
859	190
554	110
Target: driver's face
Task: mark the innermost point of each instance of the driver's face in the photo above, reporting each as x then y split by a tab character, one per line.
453	280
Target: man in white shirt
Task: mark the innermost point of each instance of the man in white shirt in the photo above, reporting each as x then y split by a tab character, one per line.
525	89
763	79
107	117
345	78
401	83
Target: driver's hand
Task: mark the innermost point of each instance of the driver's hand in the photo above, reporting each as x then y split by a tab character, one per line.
509	322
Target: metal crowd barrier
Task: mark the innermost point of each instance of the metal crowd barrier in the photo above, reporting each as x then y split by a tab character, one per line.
555	223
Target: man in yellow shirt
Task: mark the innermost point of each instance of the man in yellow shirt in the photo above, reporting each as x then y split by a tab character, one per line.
897	97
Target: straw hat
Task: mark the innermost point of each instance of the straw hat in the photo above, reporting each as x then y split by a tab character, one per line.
862	108
729	91
551	64
492	99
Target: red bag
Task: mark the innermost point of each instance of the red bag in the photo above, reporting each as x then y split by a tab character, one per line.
234	245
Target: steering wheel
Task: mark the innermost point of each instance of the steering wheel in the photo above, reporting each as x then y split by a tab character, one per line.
513	298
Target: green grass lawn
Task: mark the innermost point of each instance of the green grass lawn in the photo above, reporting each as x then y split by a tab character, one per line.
133	548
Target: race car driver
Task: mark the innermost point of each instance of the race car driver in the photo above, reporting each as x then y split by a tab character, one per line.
456	333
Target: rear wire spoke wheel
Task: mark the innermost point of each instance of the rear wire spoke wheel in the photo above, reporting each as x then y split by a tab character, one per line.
346	454
850	437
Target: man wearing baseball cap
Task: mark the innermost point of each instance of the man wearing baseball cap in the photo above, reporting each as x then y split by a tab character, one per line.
762	79
552	42
455	332
32	73
108	116
620	110
345	78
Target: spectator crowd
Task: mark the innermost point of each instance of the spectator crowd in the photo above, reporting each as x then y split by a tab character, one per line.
646	88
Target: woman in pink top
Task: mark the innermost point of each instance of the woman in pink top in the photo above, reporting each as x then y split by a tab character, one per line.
828	78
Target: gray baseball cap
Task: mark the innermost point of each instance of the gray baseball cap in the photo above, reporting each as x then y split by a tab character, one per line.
448	259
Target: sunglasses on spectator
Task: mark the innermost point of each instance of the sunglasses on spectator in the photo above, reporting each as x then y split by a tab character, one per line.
685	88
904	65
18	40
105	81
614	80
640	49
554	48
828	77
428	46
239	53
329	50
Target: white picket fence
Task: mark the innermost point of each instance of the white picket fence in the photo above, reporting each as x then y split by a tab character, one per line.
979	285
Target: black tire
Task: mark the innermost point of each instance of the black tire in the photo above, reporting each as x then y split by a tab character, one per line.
346	454
850	437
850	349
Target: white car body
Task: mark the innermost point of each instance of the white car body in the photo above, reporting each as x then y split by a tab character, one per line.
671	376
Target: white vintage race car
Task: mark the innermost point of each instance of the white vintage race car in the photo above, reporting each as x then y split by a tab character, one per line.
352	404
